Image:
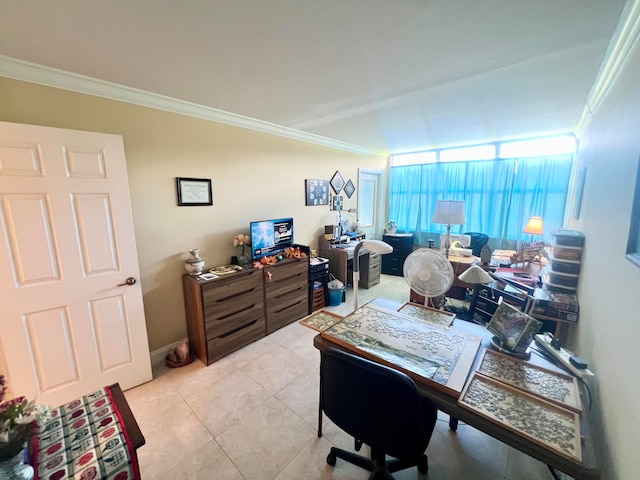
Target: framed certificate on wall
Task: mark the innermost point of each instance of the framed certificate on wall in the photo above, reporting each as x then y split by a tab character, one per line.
194	191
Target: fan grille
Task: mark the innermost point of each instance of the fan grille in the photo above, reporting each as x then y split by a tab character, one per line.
428	272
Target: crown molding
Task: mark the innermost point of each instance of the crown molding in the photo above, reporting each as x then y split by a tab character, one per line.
52	77
623	43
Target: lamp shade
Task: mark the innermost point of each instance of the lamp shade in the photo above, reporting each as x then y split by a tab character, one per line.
475	274
449	212
377	246
534	226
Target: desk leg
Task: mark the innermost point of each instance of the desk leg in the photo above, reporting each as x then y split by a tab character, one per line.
320	402
453	423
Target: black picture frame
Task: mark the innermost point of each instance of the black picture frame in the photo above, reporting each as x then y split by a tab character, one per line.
316	192
349	188
194	192
337	182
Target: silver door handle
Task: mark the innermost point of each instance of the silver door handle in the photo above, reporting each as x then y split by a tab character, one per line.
129	281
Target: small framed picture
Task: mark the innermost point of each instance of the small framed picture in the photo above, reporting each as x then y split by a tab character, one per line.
337	182
194	191
349	188
316	192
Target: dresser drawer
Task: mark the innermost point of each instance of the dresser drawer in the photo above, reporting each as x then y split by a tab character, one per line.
374	259
220	346
374	272
286	311
392	266
223	289
229	316
399	241
283	279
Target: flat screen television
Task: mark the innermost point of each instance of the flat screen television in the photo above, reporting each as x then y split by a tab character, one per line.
270	237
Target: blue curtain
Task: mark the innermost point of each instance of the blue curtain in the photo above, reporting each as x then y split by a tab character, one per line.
500	196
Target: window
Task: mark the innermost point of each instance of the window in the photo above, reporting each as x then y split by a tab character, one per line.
399	160
500	195
561	144
481	152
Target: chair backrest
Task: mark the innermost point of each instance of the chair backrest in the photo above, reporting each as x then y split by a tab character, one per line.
478	240
375	404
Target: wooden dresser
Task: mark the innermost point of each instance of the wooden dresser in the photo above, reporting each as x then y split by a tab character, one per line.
224	314
229	312
286	292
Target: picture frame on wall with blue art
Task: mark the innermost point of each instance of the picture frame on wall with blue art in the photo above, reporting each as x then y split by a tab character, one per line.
316	192
349	188
337	182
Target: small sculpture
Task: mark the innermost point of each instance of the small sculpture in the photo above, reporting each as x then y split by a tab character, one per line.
179	356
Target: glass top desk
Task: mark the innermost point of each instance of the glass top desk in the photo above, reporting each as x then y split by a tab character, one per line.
584	470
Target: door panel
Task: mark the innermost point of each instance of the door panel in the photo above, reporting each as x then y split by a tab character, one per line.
54	368
111	332
66	242
97	243
27	220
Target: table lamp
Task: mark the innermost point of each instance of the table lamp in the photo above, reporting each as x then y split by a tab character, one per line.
449	212
534	227
476	276
375	246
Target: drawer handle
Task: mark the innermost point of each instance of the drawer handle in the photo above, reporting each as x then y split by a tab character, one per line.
236	312
289	307
237	329
290	292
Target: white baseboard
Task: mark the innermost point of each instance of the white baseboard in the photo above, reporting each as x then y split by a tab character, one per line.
158	356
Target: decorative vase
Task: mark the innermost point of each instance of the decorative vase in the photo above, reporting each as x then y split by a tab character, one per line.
244	258
16	469
195	263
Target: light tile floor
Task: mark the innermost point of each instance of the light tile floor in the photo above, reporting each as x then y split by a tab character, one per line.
253	415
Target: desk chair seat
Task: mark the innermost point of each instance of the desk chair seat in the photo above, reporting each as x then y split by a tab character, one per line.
378	406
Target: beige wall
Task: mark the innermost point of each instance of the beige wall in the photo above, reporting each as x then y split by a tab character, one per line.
255	176
609	329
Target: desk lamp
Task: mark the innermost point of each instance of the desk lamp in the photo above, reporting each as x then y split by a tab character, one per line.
374	246
476	276
449	212
534	227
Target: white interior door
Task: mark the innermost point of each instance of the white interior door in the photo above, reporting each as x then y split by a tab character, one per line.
66	242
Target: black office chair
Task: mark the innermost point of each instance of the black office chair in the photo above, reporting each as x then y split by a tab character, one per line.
478	240
379	406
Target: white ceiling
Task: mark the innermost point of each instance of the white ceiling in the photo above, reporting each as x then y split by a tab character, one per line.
387	75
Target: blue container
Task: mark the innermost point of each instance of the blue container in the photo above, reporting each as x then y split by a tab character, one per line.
335	296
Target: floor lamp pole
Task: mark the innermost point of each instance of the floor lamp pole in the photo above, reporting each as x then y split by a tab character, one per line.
447	243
